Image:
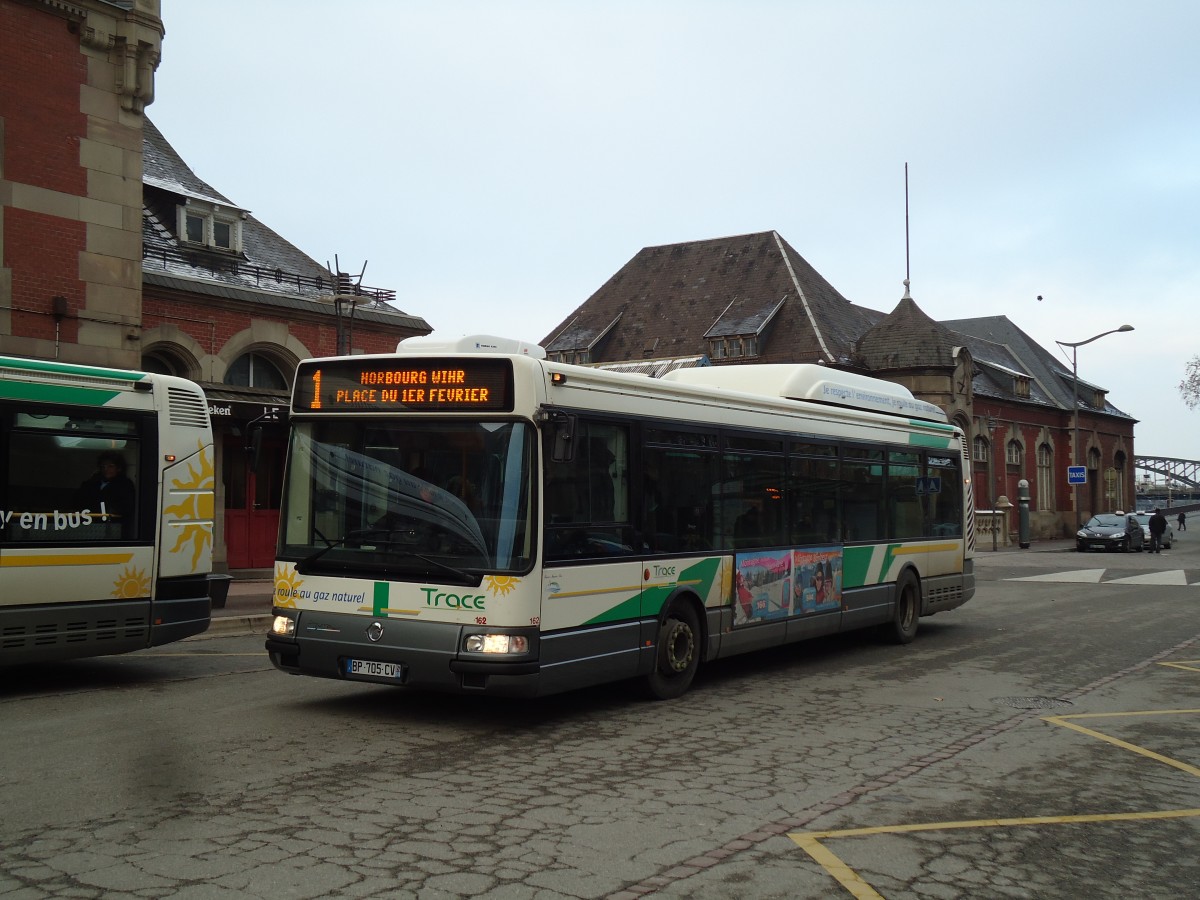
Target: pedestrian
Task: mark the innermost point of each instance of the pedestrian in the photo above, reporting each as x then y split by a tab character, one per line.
1158	526
1183	521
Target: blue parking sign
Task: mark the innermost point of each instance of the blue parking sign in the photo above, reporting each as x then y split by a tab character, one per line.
1076	475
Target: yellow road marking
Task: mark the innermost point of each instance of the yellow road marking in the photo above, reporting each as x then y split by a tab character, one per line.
1125	745
1188	665
810	841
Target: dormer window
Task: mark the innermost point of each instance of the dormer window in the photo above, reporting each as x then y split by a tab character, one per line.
210	226
1021	386
733	347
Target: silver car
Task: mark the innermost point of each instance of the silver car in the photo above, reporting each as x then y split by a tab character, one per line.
1168	536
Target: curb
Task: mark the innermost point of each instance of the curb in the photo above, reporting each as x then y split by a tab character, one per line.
224	626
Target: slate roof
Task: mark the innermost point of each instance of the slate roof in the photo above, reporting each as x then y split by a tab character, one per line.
996	341
906	338
667	301
270	270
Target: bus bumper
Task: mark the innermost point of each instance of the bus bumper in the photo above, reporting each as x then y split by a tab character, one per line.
400	653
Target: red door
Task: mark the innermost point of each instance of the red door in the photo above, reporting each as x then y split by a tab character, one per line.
251	504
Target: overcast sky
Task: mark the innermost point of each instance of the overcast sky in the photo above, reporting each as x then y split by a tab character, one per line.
495	162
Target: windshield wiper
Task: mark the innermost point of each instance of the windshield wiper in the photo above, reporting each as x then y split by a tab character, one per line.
301	566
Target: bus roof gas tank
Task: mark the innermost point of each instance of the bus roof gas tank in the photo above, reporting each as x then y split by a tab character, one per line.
429	345
813	383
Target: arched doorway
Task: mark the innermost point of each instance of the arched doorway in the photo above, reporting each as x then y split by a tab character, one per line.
252	486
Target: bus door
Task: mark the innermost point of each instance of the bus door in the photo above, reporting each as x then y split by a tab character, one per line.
252	502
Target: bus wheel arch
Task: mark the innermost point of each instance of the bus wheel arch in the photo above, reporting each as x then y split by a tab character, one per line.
678	647
907	613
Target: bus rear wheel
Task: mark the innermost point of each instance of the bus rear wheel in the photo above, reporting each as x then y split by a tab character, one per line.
903	627
678	653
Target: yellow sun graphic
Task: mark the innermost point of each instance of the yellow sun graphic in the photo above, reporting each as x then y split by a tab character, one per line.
196	507
131	584
286	585
500	584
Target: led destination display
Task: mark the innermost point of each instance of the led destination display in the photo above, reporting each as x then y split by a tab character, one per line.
404	384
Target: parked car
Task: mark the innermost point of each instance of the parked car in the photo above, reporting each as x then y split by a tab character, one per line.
1110	531
1168	536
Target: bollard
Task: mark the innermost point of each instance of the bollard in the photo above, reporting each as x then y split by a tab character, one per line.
1023	514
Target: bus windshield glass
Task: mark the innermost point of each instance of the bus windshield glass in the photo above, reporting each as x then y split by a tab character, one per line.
410	498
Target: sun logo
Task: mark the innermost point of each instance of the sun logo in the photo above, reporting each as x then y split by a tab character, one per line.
499	585
195	507
287	587
131	584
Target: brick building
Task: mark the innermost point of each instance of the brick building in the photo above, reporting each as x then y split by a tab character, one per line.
753	299
114	253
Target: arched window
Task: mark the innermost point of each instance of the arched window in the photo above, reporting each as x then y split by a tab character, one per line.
166	358
157	365
1119	465
1013	454
1093	460
981	449
1045	477
255	370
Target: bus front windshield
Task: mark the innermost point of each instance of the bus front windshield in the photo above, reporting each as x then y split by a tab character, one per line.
440	499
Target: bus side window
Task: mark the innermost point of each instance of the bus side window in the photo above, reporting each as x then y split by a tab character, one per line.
590	494
71	480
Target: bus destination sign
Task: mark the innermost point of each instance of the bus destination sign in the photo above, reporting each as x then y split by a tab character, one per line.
404	384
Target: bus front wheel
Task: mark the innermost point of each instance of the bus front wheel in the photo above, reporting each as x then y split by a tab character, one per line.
903	627
678	653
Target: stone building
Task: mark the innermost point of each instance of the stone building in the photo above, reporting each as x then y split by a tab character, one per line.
753	299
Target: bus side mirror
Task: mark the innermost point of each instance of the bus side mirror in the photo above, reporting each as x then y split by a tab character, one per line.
562	443
563	448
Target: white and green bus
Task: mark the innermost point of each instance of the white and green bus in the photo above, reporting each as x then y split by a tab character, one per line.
106	510
469	516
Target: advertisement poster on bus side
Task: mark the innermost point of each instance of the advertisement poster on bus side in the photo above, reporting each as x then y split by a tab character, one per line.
775	584
817	577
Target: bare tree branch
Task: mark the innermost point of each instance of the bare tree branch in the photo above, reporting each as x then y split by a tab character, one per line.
1189	388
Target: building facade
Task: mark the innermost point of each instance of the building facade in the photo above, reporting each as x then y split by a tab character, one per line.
114	253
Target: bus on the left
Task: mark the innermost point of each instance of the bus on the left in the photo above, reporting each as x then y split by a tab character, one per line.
106	510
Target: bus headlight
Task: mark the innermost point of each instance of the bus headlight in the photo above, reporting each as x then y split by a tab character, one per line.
496	643
283	626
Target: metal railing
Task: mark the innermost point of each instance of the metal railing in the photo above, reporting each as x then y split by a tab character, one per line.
265	278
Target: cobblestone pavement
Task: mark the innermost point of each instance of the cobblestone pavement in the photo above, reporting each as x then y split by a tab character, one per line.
247	783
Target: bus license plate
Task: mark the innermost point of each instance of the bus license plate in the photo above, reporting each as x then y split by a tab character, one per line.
369	668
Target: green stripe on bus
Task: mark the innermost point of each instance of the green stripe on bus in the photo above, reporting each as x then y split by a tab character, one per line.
650	601
41	365
938	426
856	562
379	598
930	440
56	393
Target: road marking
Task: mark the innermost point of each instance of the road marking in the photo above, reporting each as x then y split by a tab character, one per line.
1188	665
1172	576
1169	577
1078	576
1125	745
810	841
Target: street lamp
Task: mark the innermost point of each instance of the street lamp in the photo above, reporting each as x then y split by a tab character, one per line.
1075	406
